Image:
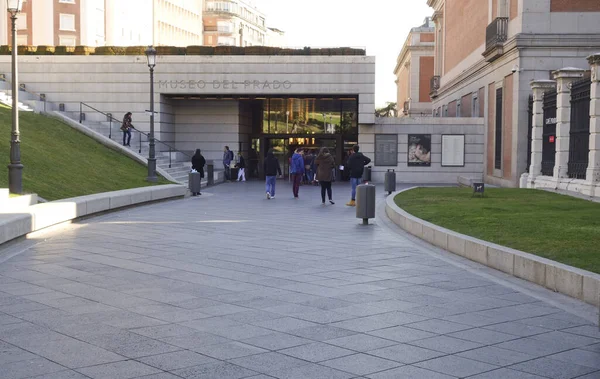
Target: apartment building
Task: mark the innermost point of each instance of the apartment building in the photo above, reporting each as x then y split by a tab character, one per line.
56	22
486	54
414	69
106	22
236	23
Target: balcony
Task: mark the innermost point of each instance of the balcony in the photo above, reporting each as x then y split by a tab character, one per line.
434	85
495	35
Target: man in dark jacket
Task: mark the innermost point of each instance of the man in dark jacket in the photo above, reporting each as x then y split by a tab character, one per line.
297	170
272	169
356	165
198	163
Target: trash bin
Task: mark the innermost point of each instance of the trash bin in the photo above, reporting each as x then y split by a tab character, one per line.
389	184
365	202
210	173
367	174
195	182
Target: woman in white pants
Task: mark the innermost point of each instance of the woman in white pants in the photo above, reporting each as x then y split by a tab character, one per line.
241	165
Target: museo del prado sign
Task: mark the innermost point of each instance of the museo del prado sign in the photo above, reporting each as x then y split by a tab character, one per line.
225	84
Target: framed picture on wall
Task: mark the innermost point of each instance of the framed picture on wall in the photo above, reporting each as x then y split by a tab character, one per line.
419	150
453	150
386	150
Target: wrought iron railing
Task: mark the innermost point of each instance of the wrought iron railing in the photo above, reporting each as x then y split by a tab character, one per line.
143	138
434	83
496	33
549	134
529	129
580	129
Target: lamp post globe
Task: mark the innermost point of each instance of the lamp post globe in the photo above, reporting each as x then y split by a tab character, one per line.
151	55
15	168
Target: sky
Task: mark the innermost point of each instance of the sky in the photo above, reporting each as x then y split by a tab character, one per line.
380	26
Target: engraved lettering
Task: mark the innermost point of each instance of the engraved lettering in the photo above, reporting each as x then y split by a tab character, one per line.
216	84
162	84
276	84
182	84
225	84
201	84
173	84
256	84
192	84
266	85
246	83
287	84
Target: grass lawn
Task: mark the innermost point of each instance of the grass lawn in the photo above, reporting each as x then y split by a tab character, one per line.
60	162
557	227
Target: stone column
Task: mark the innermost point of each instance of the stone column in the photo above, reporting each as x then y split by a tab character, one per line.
538	87
593	170
564	77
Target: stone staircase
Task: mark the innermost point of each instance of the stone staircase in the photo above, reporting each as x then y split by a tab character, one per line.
175	163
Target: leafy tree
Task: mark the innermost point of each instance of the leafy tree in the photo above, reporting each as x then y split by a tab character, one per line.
388	111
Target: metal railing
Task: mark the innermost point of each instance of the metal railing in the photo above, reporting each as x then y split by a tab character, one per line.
22	87
496	33
110	119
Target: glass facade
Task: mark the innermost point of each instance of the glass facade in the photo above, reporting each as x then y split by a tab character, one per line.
310	116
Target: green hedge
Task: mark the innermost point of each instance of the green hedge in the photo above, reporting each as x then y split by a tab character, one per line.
174	50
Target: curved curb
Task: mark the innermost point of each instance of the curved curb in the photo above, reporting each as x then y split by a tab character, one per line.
41	216
570	281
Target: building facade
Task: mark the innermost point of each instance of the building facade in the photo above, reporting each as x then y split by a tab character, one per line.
153	22
236	23
106	22
486	54
57	22
414	69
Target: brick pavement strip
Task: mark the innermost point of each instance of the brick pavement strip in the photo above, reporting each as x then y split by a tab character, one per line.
235	286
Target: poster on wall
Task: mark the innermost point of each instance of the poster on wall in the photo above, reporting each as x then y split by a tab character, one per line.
386	150
419	150
453	150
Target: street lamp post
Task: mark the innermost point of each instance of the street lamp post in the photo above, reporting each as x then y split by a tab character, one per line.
151	55
15	168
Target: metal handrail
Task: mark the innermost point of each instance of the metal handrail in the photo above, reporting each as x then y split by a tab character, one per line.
110	118
22	87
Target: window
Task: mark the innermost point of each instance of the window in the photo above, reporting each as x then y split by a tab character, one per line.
22	21
210	40
458	105
67	41
67	22
498	144
67	1
475	102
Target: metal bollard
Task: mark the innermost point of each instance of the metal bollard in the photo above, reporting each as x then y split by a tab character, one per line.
210	173
367	174
365	202
195	182
389	184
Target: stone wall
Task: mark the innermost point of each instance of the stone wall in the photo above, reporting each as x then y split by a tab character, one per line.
472	128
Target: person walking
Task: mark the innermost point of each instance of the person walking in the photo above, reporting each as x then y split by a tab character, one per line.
308	162
325	166
356	166
126	127
198	163
272	169
297	170
241	166
227	158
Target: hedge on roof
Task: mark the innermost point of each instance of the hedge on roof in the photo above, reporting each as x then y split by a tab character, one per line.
174	50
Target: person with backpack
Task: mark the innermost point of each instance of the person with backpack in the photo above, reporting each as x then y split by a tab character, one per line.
325	169
227	158
126	127
272	169
356	165
297	170
198	163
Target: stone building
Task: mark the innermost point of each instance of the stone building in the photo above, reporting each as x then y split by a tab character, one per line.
414	69
486	54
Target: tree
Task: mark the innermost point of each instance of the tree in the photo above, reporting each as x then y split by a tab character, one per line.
388	111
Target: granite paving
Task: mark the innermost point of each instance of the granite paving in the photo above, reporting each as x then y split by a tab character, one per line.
232	285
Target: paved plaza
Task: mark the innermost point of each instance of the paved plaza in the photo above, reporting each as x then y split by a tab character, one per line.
232	285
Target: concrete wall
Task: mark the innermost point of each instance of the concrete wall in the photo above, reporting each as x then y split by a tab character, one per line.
472	128
118	84
207	125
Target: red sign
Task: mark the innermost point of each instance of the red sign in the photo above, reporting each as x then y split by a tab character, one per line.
551	138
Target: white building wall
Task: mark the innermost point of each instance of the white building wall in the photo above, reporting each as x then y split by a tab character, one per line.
207	125
92	23
472	128
42	24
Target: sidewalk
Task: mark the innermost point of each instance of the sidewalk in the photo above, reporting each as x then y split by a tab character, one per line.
232	285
